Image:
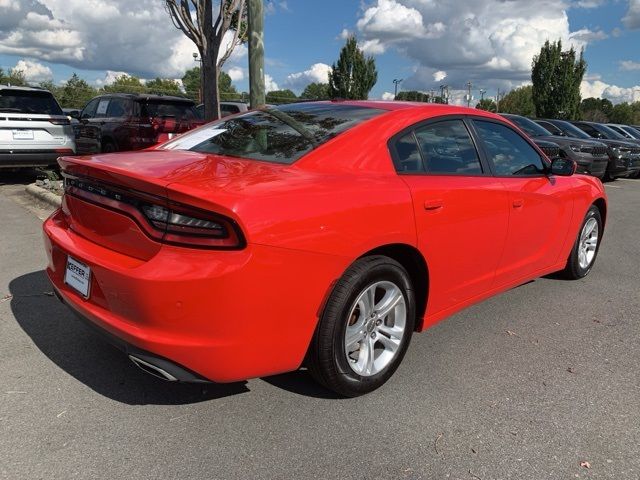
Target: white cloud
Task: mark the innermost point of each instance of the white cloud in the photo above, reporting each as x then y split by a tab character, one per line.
439	76
345	33
632	19
629	65
269	83
388	96
100	35
109	77
34	72
468	39
236	73
589	3
600	89
318	72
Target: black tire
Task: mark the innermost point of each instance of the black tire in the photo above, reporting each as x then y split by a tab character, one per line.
108	146
327	360
573	270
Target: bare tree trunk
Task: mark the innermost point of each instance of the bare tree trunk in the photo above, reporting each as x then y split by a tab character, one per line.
211	97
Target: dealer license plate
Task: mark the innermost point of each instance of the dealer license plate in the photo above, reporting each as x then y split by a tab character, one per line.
78	276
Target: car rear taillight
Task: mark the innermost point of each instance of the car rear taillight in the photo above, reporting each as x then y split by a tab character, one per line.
184	226
162	220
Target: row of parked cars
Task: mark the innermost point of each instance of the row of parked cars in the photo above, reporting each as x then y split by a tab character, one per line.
35	131
605	151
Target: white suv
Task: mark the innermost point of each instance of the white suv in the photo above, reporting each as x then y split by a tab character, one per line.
34	131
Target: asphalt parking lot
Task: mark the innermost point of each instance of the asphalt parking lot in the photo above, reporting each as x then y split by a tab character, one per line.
527	385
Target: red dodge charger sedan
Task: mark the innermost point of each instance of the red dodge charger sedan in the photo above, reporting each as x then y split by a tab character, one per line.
320	233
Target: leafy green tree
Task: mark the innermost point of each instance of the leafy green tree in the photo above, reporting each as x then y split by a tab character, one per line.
191	83
51	87
316	91
75	93
487	104
125	84
622	113
518	101
354	75
13	77
412	96
556	77
596	109
163	86
281	96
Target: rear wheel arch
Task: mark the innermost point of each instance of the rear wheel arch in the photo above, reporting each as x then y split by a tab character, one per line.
416	266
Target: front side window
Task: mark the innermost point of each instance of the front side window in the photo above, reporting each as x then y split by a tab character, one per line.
279	135
448	149
89	110
590	130
509	153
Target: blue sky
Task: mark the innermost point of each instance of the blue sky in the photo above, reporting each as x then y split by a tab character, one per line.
426	43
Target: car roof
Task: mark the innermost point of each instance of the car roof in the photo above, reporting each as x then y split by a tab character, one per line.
146	96
24	89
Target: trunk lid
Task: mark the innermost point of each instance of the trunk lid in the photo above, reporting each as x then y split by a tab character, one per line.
209	182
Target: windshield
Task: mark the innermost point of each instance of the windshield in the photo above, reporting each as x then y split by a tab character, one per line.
27	101
571	130
282	134
609	132
632	132
529	126
179	110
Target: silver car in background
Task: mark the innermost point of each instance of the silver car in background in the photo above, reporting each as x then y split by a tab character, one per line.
34	131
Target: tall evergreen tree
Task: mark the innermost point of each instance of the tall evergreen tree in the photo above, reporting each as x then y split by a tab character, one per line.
556	77
353	76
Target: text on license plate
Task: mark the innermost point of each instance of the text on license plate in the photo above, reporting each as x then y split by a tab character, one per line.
78	276
23	134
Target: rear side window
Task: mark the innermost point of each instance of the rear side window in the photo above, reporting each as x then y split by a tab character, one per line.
28	101
447	148
280	135
407	156
509	153
229	110
103	107
178	110
118	107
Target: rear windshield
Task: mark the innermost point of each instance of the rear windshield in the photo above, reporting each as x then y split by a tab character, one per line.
25	101
179	110
276	134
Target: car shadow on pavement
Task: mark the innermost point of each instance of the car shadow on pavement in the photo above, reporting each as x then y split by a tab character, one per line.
73	347
300	382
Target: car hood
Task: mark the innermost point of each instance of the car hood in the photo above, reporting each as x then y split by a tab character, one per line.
569	140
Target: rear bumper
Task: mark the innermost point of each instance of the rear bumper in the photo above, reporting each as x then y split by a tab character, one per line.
223	315
24	160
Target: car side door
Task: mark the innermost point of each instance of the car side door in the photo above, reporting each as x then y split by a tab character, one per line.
86	140
540	205
461	211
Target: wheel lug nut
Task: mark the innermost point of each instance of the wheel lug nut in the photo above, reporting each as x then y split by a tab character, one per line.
379	322
373	335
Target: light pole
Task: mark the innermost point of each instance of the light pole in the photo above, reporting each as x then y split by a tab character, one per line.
255	17
482	92
469	93
396	82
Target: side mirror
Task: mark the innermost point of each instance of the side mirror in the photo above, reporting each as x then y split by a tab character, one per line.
563	167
